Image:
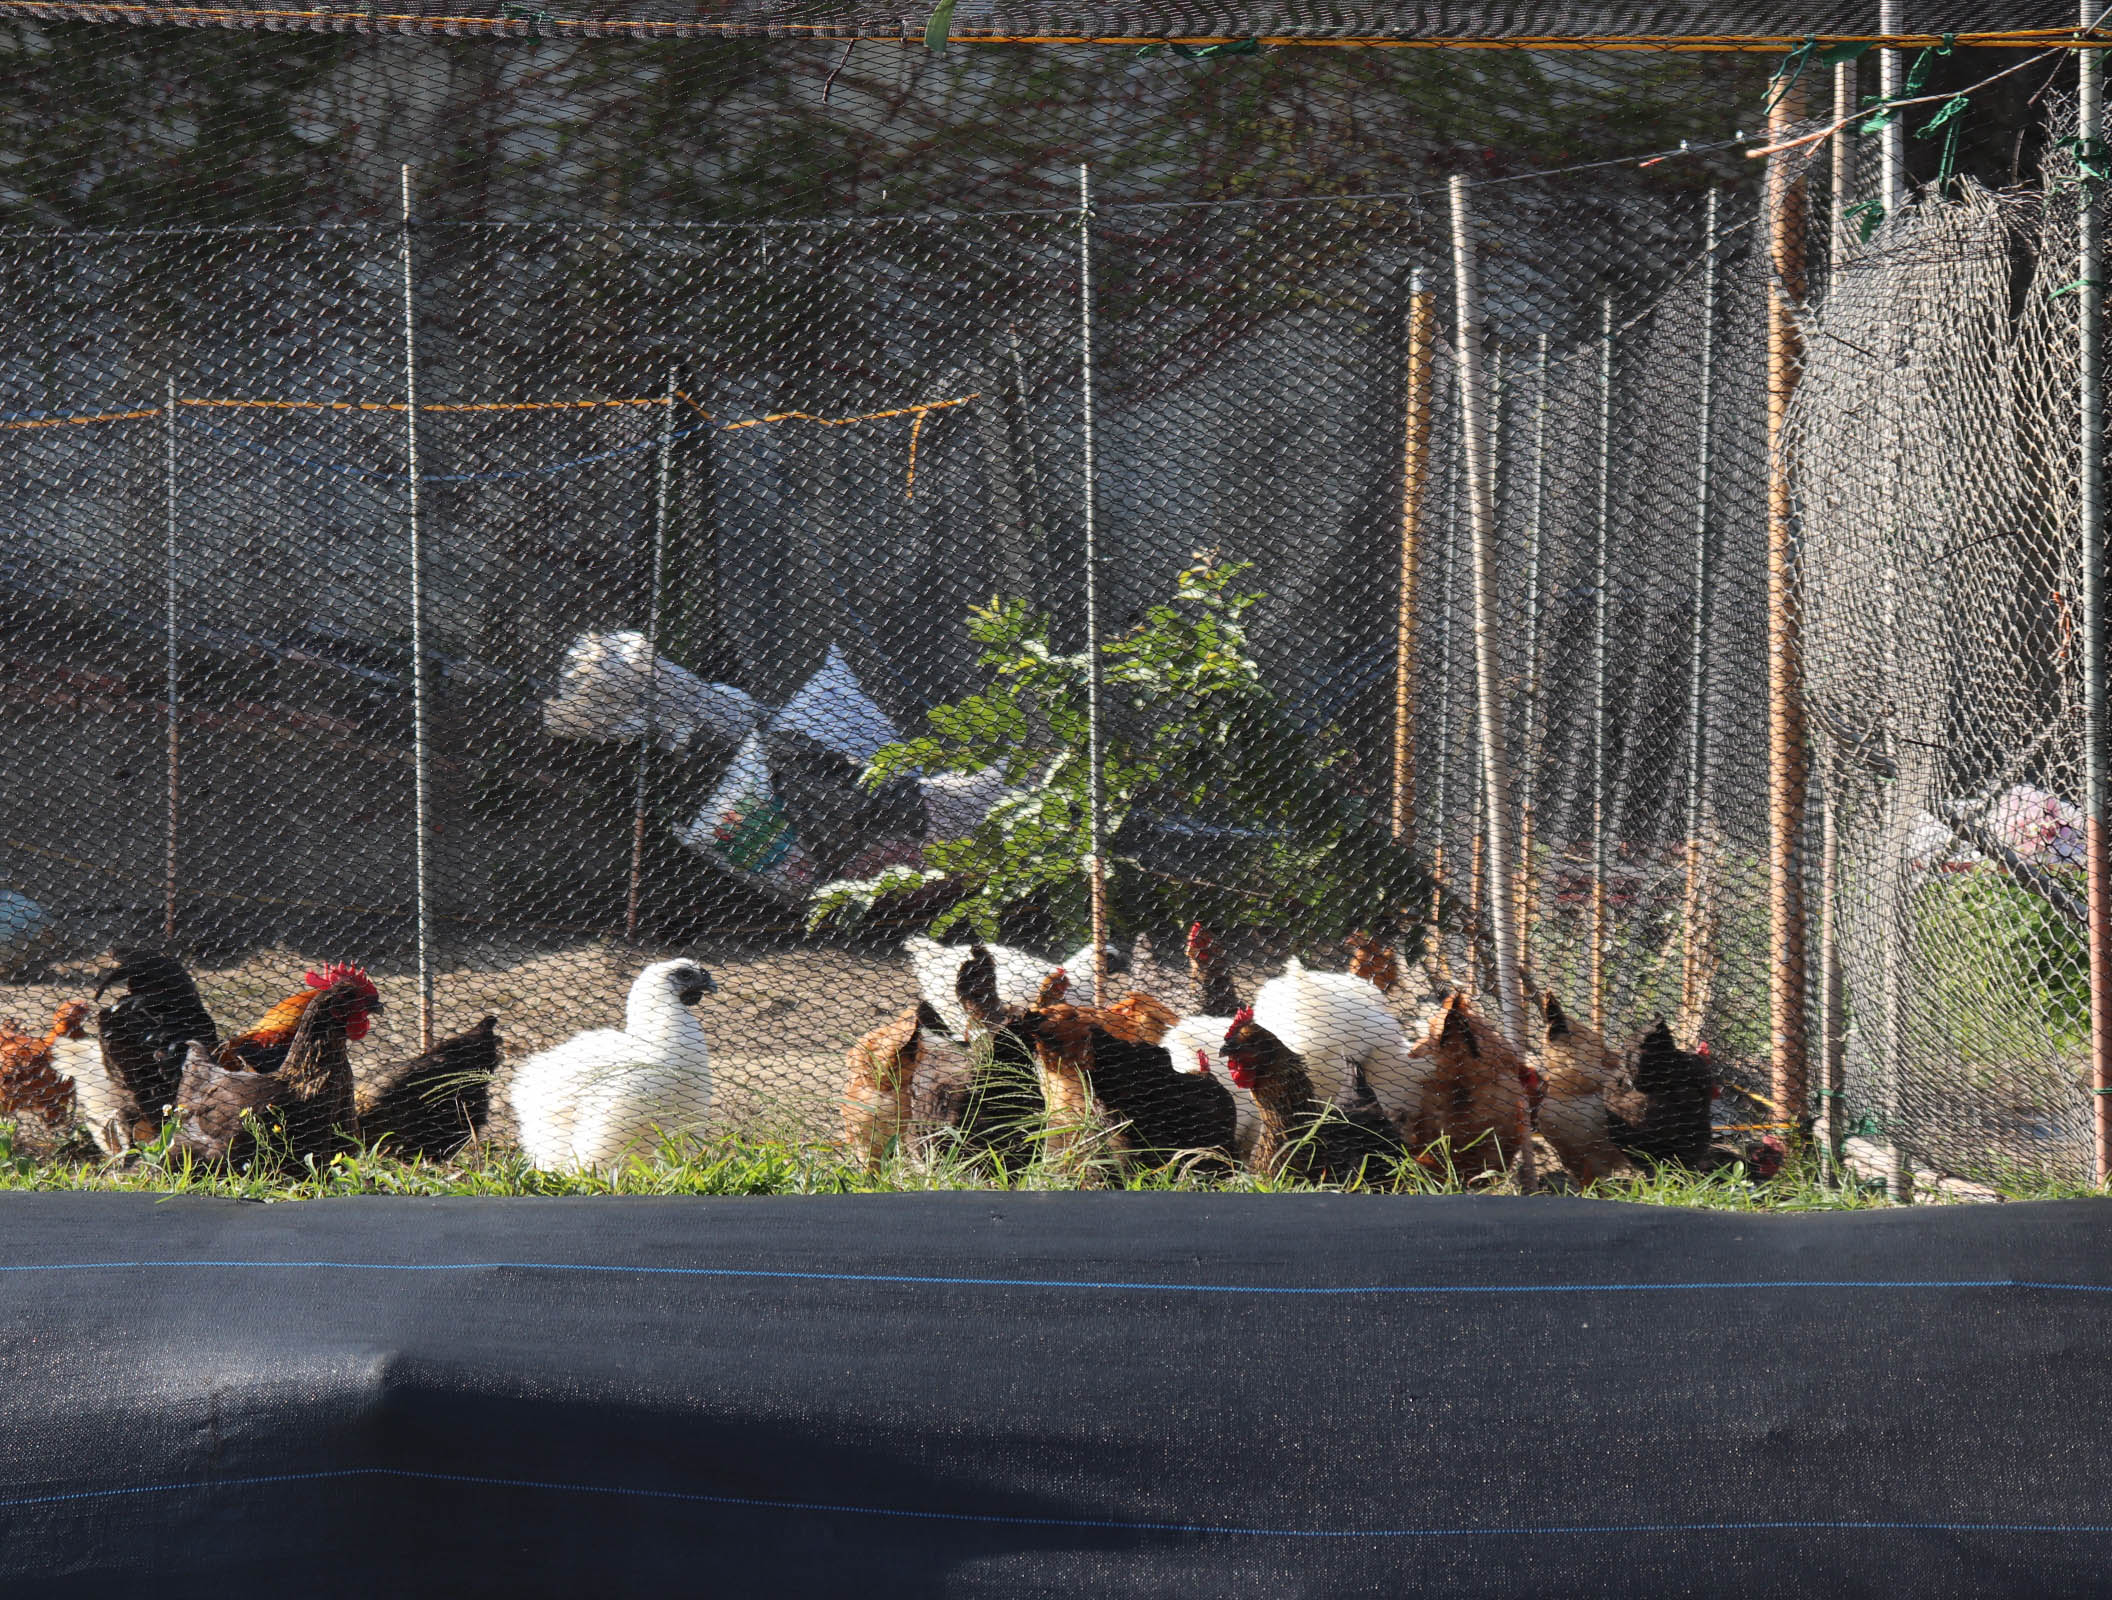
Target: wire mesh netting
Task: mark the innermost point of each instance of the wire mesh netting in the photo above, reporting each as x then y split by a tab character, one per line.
1942	575
632	637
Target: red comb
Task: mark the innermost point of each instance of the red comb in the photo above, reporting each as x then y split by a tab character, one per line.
1202	1061
337	971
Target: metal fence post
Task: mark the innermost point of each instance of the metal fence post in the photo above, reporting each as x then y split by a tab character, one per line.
1535	527
170	672
2097	756
421	775
1602	535
1693	1000
1843	142
1488	632
652	660
1892	139
1096	801
1786	766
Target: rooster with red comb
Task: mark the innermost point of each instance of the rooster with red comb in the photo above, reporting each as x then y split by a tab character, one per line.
264	1047
292	1071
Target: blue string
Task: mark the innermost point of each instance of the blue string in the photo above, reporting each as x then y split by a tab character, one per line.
694	1497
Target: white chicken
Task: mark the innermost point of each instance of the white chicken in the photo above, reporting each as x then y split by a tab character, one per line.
1019	977
1197	1046
1341	1024
99	1103
604	1096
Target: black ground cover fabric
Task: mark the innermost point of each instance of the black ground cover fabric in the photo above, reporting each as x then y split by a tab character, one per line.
1050	1394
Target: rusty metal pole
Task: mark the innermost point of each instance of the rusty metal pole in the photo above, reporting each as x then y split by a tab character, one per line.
1415	489
1786	757
2097	717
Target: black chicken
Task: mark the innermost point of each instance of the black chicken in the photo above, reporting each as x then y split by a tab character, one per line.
1300	1136
146	1036
431	1105
1664	1114
1109	1055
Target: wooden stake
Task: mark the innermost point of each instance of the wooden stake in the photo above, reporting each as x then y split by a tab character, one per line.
1415	488
1786	763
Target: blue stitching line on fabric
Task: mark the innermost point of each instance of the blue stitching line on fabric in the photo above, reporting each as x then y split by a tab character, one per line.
1001	1520
1070	1283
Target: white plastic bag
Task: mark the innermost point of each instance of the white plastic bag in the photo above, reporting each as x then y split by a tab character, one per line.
603	686
743	829
832	708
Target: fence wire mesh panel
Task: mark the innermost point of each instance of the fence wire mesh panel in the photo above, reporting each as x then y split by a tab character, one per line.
585	643
1942	575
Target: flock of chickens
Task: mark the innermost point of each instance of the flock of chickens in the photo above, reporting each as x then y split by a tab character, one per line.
284	1094
283	1089
1321	1079
1005	1056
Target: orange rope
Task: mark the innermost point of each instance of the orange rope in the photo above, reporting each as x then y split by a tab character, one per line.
97	416
916	428
909	492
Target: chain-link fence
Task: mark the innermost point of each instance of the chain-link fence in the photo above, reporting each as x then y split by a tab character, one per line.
508	607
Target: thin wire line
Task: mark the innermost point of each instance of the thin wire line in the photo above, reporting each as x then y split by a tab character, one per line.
1331	1291
1014	1520
906	219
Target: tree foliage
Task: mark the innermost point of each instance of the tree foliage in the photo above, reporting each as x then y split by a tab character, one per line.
1219	803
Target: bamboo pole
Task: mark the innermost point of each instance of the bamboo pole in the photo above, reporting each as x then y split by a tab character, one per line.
420	751
170	670
1096	864
1441	786
1535	524
1483	889
1488	664
1786	774
2097	649
1415	488
1694	952
652	660
1833	986
1833	978
1602	535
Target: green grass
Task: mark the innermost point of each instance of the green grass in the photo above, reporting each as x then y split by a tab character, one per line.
789	1167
